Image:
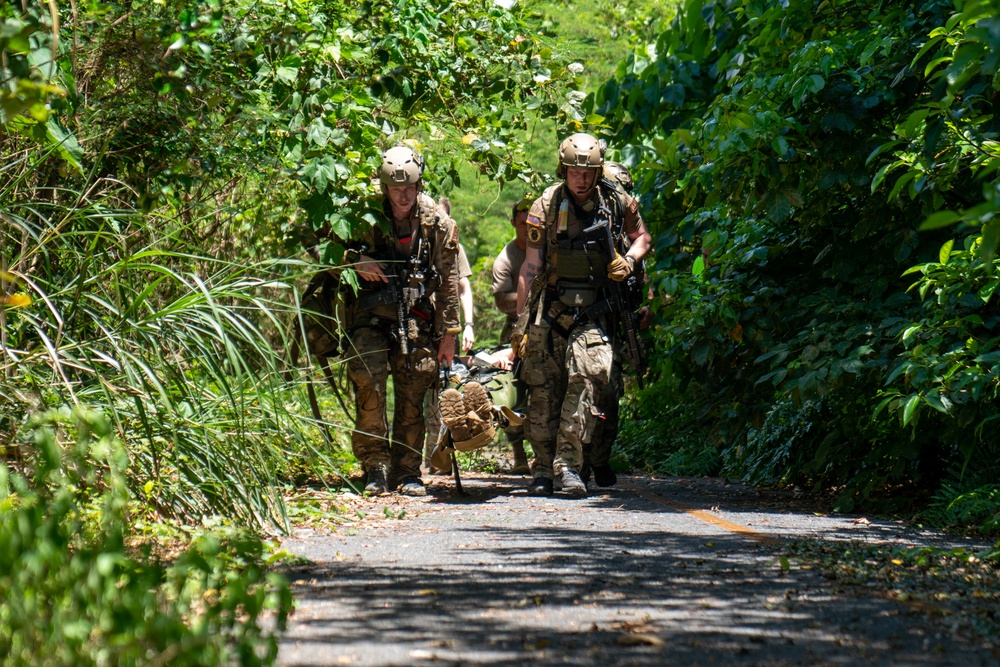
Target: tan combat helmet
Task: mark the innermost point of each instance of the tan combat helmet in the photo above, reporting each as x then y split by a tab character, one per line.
579	150
619	173
401	166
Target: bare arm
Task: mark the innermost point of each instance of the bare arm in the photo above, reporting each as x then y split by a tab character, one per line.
505	285
506	303
641	242
465	299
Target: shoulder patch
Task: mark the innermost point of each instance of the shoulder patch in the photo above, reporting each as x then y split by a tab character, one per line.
633	205
534	234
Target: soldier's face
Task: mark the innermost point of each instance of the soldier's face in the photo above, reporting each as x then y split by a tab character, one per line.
402	197
521	226
580	181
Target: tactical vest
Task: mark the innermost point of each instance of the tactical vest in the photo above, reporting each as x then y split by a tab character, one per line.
580	263
416	271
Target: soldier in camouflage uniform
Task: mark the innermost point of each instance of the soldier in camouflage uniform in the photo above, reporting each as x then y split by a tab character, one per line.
598	459
564	288
402	321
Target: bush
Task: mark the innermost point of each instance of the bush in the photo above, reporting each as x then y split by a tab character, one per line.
797	162
74	594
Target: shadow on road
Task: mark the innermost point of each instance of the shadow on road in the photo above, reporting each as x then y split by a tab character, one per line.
632	587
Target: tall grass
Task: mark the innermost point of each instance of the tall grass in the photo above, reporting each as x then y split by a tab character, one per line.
184	352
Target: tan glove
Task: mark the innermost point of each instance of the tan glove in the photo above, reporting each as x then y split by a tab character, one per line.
620	268
519	344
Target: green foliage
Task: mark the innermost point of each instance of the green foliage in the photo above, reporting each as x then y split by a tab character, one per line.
27	67
74	594
977	507
192	138
173	345
671	439
787	154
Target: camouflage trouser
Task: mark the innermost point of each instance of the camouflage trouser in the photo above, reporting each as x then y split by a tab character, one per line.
372	356
432	413
566	377
607	428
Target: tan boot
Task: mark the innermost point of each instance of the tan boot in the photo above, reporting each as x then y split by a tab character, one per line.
453	414
477	399
476	423
520	458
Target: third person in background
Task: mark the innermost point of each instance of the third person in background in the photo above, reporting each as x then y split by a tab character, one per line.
506	269
584	238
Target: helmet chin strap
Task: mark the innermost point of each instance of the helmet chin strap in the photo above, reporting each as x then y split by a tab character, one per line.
586	205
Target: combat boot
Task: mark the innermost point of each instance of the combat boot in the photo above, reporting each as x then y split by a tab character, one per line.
375	481
571	484
475	424
453	413
540	486
477	399
412	486
520	459
605	476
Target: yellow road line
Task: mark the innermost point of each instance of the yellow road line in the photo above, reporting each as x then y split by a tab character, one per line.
703	515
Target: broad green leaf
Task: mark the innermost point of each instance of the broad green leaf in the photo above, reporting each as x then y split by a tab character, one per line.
780	146
936	403
945	253
910	333
988	289
868	51
286	74
900	183
882	172
889	145
908	128
939	220
699	266
909	408
927	46
885	403
65	143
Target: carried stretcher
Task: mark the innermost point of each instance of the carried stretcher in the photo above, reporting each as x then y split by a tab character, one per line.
477	398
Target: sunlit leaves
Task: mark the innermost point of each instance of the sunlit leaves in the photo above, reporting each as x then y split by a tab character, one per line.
816	143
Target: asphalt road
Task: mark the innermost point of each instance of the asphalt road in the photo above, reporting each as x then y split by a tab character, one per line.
654	572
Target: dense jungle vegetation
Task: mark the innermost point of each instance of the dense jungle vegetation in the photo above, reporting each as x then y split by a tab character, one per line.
822	182
820	177
162	163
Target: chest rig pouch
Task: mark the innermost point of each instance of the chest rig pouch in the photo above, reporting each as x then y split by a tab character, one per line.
405	298
580	266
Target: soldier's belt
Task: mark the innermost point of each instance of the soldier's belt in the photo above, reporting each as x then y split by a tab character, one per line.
577	295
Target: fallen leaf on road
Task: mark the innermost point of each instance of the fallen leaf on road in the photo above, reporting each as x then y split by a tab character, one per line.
862	522
639	640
